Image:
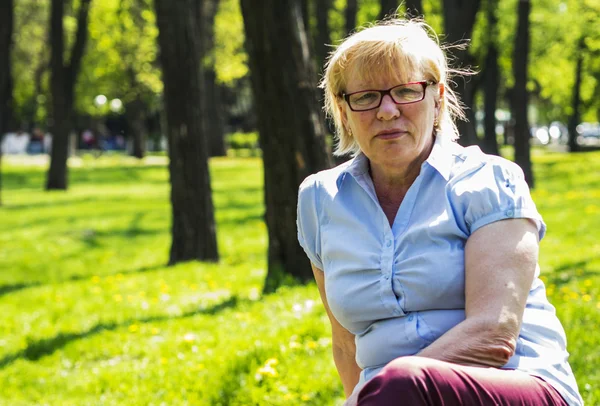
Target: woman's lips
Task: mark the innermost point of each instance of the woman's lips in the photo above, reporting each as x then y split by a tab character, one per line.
390	134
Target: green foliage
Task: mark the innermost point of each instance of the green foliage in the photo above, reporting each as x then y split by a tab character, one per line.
120	62
231	60
90	314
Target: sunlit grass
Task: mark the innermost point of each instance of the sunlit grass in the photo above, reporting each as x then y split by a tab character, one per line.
90	314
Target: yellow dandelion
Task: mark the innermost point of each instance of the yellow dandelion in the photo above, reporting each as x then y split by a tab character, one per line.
587	283
272	361
591	209
312	345
288	396
118	298
133	328
200	366
598	305
95	279
163	360
129	298
267	370
194	286
119	277
142	294
305	397
155	331
586	298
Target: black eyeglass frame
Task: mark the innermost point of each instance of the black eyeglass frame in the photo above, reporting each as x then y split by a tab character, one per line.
424	83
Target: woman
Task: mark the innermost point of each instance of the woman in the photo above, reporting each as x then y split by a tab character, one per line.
425	252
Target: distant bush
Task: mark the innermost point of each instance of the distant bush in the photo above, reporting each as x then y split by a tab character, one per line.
242	144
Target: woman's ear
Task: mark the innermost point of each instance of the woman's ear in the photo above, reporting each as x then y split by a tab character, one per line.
440	98
343	114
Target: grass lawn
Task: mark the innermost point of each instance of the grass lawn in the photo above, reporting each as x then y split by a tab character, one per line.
90	314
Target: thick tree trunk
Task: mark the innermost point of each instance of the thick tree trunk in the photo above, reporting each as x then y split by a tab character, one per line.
62	85
520	94
6	30
575	117
135	112
193	223
459	18
215	126
388	7
292	136
351	10
323	34
414	8
491	80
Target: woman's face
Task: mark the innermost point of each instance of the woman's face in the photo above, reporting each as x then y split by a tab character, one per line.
393	135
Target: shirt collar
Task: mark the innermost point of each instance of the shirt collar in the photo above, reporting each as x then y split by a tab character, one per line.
440	159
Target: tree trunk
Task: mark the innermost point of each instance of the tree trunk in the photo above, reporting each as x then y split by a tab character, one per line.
323	34
62	85
351	10
491	79
414	8
575	117
215	127
459	18
388	7
292	135
193	223
6	31
135	111
304	7
520	94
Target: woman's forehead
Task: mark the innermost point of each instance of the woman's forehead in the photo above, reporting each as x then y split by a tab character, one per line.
379	76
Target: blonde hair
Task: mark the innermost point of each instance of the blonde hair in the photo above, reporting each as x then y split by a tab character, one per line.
394	48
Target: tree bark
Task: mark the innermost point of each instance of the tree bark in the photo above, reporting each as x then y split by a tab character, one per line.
575	117
459	18
350	13
135	111
491	79
215	126
414	8
323	34
520	94
62	85
388	7
292	135
193	223
6	31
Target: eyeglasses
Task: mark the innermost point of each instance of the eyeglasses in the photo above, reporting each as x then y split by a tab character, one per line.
406	93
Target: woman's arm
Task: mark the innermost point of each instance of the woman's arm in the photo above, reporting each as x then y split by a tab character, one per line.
343	346
500	263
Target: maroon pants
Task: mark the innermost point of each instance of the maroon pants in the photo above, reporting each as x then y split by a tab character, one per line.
424	381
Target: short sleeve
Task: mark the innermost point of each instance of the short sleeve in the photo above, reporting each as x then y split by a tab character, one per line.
307	220
496	190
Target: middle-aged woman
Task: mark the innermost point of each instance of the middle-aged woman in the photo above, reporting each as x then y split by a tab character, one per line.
425	252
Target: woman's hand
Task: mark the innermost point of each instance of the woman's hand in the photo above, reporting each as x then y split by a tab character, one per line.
500	263
343	345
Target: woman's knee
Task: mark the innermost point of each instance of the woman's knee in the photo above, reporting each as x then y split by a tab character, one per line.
409	376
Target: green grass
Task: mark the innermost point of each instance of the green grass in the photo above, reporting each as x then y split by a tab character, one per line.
90	314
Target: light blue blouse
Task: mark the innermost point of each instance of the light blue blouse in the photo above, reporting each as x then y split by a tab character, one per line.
399	288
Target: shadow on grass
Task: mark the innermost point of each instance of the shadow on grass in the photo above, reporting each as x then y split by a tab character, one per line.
6	289
571	271
42	348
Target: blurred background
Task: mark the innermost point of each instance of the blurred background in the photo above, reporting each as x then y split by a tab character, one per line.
151	153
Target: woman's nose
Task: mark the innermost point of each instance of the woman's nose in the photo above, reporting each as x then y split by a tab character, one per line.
388	109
